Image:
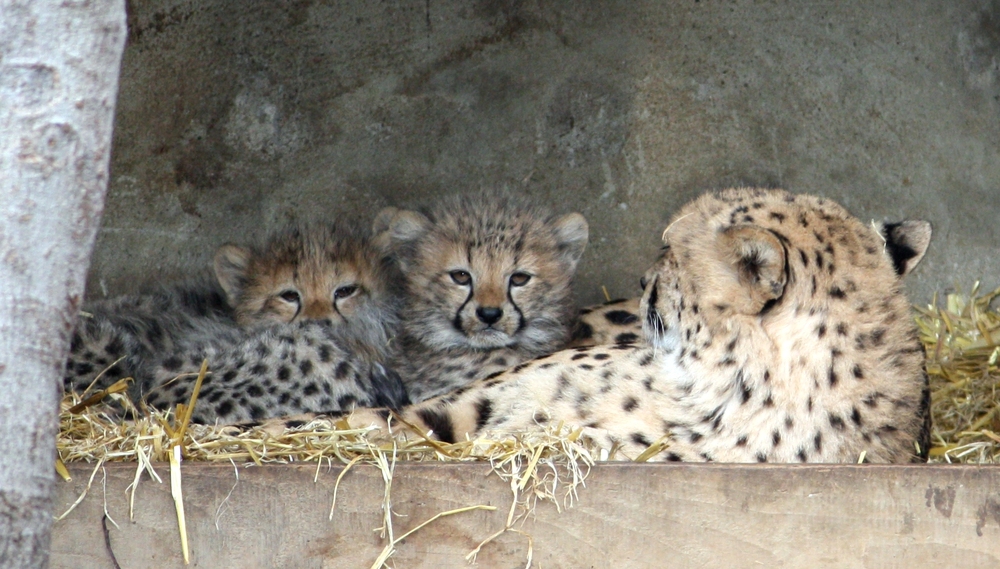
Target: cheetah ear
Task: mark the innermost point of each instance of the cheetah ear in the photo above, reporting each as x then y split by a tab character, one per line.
572	233
231	263
906	243
381	234
401	225
756	258
395	229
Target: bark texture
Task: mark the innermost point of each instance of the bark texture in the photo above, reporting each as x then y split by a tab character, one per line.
59	64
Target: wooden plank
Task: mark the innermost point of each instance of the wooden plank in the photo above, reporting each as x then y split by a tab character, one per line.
628	515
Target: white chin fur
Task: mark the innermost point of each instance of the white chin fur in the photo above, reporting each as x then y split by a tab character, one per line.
489	339
668	341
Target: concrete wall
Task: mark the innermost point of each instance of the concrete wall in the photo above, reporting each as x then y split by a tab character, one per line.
234	115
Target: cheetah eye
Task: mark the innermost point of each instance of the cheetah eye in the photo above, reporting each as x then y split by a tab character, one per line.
345	292
290	296
519	279
461	277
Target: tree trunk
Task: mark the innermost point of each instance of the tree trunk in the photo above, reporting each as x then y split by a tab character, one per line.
59	65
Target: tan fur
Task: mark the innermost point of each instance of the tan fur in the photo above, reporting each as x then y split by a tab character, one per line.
810	355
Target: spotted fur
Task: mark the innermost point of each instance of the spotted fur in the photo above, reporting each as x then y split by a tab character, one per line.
487	286
614	322
281	369
776	332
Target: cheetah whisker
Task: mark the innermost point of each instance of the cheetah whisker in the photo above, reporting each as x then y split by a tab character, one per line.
663	236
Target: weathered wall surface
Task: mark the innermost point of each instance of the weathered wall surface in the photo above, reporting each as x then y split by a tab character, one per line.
236	115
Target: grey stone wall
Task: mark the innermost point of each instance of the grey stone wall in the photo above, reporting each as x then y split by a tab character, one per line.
236	115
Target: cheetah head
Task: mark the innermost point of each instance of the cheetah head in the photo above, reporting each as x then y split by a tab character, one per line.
485	272
315	272
744	258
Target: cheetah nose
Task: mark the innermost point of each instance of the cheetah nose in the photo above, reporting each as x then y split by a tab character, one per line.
489	315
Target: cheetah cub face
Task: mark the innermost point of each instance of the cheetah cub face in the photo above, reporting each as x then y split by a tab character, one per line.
486	273
309	273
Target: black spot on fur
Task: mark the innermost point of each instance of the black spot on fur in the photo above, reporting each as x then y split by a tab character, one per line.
438	422
224	408
255	391
621	317
342	371
878	336
305	366
775	438
630	404
601	356
855	416
640	439
626	338
837	422
856	370
833	378
673	457
802	455
257	412
578	357
259	369
838	293
284	373
582	331
324	353
761	457
310	389
741	441
484	410
172	363
818	442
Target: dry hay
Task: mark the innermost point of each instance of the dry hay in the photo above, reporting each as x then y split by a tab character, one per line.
962	342
961	339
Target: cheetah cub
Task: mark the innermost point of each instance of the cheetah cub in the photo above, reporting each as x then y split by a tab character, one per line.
317	311
487	284
300	273
776	332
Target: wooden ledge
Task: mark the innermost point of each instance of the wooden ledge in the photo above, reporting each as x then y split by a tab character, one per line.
628	515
